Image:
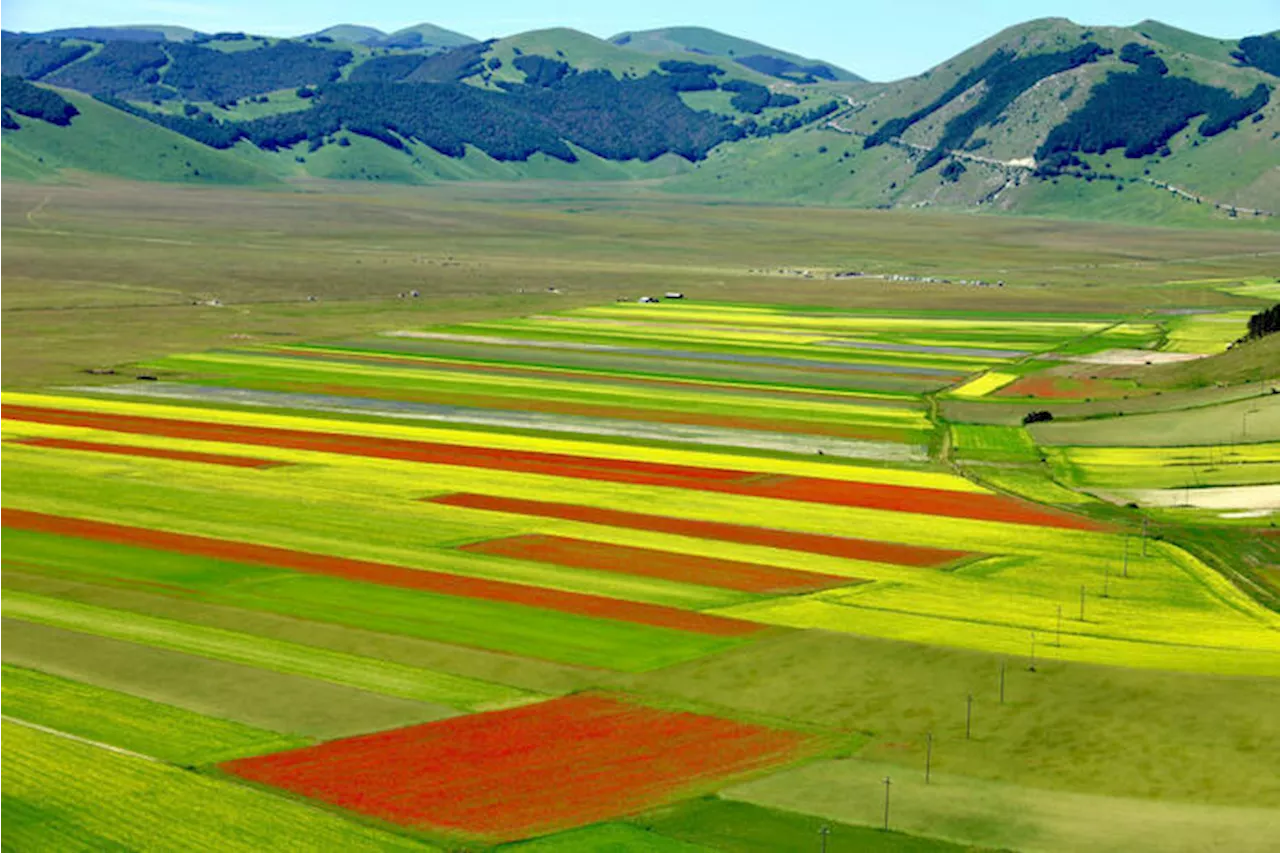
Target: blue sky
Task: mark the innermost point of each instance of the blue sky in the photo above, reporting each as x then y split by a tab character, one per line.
881	40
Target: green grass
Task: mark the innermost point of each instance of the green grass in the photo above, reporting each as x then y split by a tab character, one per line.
521	672
139	725
87	798
970	811
1206	333
739	827
1254	361
1191	468
708	41
262	699
607	838
365	673
983	443
110	142
491	625
1066	727
1238	422
1030	482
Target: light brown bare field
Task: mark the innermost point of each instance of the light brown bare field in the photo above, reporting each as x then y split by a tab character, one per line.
104	273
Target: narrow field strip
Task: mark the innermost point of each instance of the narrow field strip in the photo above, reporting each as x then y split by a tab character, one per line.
649	351
367	673
431	362
814	543
901	444
383	574
649	562
96	744
489	391
914	499
512	774
300	706
127	722
859	426
58	791
151	452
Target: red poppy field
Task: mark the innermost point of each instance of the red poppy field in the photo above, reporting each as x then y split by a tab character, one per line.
530	770
151	452
686	568
812	543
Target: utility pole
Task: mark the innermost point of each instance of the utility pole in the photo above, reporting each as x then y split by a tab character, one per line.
1144	536
887	783
1126	555
1032	667
1081	602
1058	641
1033	660
824	832
928	757
1106	581
968	717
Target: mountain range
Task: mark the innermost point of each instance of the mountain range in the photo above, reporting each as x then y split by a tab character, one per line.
1050	117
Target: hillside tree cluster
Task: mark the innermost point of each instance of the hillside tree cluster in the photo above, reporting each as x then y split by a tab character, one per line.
1006	76
1265	322
21	97
34	58
1108	119
1261	52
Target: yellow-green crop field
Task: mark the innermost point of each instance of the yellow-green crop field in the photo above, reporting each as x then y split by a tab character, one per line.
648	500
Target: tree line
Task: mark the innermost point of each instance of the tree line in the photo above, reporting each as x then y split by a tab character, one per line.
1265	322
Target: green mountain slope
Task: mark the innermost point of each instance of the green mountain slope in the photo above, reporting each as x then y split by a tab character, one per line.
708	42
124	32
1184	41
992	118
1146	123
354	33
427	36
109	142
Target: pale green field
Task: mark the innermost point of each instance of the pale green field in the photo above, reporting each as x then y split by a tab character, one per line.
139	725
1206	333
997	815
1243	421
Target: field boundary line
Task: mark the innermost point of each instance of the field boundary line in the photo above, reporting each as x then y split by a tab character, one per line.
78	739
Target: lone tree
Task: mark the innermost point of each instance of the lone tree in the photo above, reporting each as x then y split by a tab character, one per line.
1036	417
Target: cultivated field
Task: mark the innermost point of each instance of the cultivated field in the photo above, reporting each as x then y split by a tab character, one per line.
482	568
